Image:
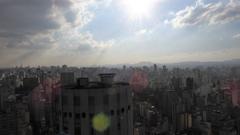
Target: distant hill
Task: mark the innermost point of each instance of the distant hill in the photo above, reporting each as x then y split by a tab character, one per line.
186	64
191	64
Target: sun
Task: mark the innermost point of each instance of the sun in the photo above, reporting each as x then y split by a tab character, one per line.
138	9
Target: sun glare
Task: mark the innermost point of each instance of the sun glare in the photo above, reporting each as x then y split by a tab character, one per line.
138	9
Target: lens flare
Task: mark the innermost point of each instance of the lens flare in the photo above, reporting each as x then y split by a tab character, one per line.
138	81
137	9
101	122
234	91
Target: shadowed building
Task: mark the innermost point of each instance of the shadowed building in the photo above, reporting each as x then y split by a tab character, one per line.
78	105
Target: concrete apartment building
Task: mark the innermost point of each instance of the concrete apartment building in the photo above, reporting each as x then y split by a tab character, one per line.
78	104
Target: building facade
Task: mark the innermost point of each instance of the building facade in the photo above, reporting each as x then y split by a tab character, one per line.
77	105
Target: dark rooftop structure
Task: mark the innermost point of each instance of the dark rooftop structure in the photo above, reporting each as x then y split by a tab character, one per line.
106	81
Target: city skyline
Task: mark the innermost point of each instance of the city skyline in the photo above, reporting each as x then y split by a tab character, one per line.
99	32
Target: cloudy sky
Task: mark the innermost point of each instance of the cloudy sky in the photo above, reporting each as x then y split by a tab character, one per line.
96	32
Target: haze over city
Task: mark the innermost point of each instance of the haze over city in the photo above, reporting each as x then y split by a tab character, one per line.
119	67
99	32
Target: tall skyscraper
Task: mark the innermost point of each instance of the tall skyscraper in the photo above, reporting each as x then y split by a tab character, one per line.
80	104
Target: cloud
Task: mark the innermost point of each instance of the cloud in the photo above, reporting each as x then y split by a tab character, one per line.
42	31
143	32
208	14
27	17
43	25
79	41
237	36
215	55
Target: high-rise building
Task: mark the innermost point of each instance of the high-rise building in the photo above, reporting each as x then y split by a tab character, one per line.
8	124
8	117
79	104
67	78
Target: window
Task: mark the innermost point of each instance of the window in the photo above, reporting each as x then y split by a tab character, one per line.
129	107
65	129
57	100
107	131
91	128
92	131
77	115
70	115
112	112
84	115
106	100
76	100
118	98
122	110
59	113
64	100
57	127
77	130
119	126
91	100
91	115
65	114
118	112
